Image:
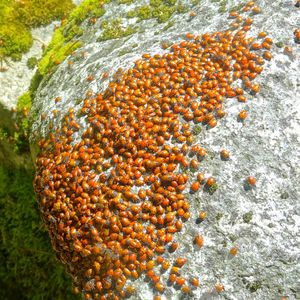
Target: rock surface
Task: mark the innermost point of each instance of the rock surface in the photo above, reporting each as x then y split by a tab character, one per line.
266	146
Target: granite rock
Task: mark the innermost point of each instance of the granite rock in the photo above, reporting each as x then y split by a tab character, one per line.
263	222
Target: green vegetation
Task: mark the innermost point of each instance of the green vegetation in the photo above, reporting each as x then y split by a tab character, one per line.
24	102
247	217
33	13
15	39
219	216
28	268
279	44
72	30
254	286
222	8
197	129
113	29
284	195
233	237
125	1
212	188
87	9
161	10
56	52
18	17
31	62
19	138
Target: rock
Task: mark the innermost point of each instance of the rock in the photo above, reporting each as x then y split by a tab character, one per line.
265	145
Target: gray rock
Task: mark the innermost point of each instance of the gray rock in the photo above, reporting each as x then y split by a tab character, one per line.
266	146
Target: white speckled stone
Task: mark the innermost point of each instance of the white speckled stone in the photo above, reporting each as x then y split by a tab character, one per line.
266	146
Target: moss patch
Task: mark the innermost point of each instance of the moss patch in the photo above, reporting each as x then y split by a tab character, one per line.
24	102
113	29
197	129
56	52
31	62
161	10
18	17
222	8
88	8
15	40
254	286
247	217
213	188
33	13
125	1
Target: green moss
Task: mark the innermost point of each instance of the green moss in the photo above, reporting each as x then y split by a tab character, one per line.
254	286
31	62
3	134
233	237
156	3
21	16
28	269
24	101
213	188
219	216
247	217
40	12
284	195
143	13
161	10
197	129
19	137
222	9
223	5
182	8
16	39
20	141
72	30
131	14
170	2
56	52
279	44
113	29
35	82
125	1
163	13
88	8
